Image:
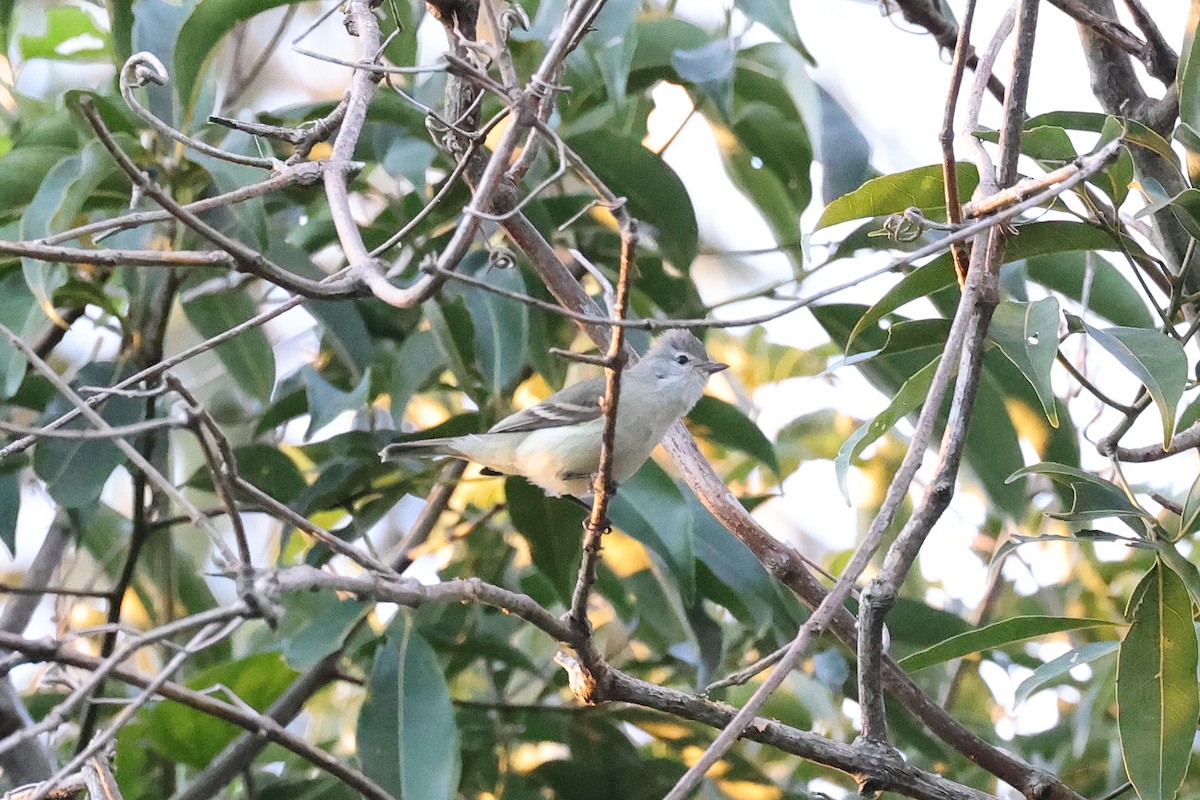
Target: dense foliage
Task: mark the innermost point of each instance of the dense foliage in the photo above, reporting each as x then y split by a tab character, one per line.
219	301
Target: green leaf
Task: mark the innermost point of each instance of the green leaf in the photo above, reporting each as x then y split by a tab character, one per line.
710	68
70	35
248	356
315	624
1155	359
553	528
1187	78
611	44
1034	241
890	194
738	580
777	16
24	169
501	327
120	15
910	397
1027	333
417	361
651	508
921	282
270	470
454	331
408	741
75	469
1108	291
656	194
926	337
996	635
6	12
10	504
1095	498
1157	700
20	313
201	33
345	333
326	402
59	200
1133	132
1052	670
726	425
195	738
1189	522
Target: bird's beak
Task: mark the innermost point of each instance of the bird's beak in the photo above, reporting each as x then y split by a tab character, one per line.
709	367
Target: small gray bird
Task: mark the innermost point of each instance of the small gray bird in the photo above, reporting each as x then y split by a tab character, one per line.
556	443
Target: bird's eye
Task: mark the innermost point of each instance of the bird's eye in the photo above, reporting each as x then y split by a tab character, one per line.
682	358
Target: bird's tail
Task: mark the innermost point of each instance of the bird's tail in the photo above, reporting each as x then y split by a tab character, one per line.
421	448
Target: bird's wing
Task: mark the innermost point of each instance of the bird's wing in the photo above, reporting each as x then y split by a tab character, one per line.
574	405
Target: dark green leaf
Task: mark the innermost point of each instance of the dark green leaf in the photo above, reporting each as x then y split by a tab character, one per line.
1028	334
247	356
612	44
746	589
921	282
656	195
1080	276
1157	701
10	505
1033	239
270	470
710	67
1155	359
315	624
501	328
996	635
726	425
454	331
120	15
24	169
651	508
418	360
345	334
407	737
553	528
75	469
326	402
1094	498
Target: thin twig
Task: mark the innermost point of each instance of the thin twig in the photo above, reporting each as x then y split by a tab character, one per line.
130	452
602	485
949	161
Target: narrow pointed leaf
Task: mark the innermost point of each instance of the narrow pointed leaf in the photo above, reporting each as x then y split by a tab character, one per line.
996	635
907	400
248	356
1060	666
407	735
1157	699
1157	360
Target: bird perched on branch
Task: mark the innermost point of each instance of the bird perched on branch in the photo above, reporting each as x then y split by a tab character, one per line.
556	443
